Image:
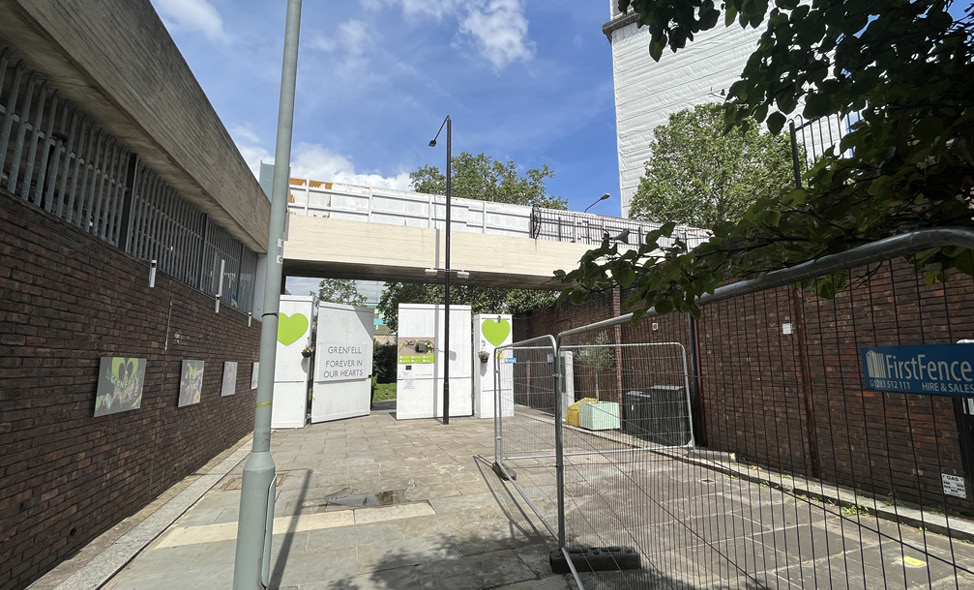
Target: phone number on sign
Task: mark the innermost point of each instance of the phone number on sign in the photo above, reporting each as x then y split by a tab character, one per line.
889	384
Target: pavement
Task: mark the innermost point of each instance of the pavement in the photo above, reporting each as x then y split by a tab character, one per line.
376	503
364	503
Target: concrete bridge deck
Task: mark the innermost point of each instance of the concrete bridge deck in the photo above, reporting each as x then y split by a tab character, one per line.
337	248
349	231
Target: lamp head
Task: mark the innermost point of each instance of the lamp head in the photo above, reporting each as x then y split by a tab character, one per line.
604	197
432	143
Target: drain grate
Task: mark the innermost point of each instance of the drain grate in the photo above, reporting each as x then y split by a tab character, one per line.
236	482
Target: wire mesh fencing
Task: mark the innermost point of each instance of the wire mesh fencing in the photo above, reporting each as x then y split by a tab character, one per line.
525	409
769	453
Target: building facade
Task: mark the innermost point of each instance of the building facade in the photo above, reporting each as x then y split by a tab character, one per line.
131	230
647	92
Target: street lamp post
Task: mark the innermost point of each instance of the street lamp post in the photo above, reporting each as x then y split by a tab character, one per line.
446	294
599	200
251	566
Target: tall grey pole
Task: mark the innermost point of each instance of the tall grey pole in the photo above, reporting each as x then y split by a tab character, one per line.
251	568
446	294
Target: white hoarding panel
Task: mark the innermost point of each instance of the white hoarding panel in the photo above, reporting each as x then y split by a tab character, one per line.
289	409
423	398
291	367
490	331
293	334
343	362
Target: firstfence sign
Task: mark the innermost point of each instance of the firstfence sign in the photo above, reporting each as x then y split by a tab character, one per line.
937	369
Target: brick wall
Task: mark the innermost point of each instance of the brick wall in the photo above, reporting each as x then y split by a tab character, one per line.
794	401
67	299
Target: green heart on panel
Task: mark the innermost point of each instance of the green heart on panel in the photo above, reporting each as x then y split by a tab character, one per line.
496	331
291	329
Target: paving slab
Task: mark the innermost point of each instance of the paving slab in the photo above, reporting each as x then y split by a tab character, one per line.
450	522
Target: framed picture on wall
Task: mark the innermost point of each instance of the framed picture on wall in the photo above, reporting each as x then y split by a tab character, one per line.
120	381
190	383
229	379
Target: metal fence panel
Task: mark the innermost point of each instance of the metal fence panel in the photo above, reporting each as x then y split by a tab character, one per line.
526	379
800	475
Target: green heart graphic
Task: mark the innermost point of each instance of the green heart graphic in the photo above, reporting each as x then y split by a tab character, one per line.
291	329
496	331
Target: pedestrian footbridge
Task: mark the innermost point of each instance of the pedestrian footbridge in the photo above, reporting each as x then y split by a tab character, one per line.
348	231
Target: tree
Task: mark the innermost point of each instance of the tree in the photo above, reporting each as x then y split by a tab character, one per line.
335	291
597	358
483	178
904	69
339	291
480	299
699	176
486	179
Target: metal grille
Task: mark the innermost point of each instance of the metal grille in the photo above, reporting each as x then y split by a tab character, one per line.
166	228
794	475
812	139
57	158
586	228
221	251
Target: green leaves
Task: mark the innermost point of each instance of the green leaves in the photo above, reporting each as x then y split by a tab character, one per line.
483	178
702	177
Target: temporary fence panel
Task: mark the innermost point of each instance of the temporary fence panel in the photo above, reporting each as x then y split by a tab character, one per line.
619	479
813	468
525	443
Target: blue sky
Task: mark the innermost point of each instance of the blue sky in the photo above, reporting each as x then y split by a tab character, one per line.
523	80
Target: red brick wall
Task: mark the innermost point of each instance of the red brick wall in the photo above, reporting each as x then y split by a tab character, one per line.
67	299
795	401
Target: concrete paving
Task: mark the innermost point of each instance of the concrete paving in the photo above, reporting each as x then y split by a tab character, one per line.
430	514
376	503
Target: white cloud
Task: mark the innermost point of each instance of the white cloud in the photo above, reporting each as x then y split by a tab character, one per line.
245	132
352	44
497	28
435	8
326	44
500	31
192	15
320	163
314	161
356	37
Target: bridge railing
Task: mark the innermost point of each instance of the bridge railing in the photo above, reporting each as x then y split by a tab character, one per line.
405	208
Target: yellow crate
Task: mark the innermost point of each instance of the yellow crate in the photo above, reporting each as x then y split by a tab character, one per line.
571	416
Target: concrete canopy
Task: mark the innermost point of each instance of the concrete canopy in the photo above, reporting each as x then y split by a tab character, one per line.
116	61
